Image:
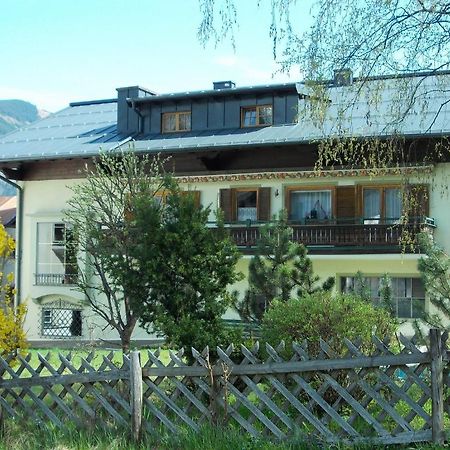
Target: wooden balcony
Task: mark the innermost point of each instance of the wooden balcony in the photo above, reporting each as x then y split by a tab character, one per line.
332	237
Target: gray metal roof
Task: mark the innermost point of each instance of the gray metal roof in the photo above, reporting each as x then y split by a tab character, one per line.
86	127
281	134
75	131
409	106
365	110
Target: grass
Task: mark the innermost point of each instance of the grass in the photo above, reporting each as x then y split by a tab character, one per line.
24	435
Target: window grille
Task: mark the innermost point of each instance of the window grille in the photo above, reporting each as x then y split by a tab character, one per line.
60	320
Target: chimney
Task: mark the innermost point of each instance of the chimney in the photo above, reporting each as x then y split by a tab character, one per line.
223	85
127	117
343	77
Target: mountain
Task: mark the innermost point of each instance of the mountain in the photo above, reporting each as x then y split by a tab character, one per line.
17	113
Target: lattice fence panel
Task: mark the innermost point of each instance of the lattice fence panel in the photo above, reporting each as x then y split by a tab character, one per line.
379	394
71	388
382	395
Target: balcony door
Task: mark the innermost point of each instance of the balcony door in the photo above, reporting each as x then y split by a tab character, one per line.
245	204
382	204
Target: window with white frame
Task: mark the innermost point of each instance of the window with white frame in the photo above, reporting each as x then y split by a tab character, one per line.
56	261
176	121
256	116
408	294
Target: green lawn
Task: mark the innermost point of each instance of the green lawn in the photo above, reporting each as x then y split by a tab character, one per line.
23	435
77	354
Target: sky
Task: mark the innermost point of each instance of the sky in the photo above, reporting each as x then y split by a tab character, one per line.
54	52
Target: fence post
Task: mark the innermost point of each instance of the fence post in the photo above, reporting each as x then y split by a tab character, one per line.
437	385
2	422
136	395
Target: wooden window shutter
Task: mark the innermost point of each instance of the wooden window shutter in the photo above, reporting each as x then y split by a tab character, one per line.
226	204
358	201
419	201
346	206
264	204
195	195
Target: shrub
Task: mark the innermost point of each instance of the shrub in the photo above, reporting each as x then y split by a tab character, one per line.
332	318
12	335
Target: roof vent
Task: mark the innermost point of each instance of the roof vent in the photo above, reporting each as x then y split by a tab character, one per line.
343	77
224	84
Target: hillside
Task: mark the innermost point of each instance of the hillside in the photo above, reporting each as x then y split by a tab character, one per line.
16	113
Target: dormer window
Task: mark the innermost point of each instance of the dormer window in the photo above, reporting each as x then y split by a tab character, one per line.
256	116
176	121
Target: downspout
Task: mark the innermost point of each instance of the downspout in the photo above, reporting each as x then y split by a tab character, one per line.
140	116
19	216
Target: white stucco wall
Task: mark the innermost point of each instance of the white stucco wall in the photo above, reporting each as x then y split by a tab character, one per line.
44	201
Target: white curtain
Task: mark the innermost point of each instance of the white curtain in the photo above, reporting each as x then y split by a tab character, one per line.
248	213
393	204
246	206
372	205
310	205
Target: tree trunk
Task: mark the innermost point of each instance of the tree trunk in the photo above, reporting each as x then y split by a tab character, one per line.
125	336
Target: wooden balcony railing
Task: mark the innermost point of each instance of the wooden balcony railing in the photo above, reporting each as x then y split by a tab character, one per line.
350	237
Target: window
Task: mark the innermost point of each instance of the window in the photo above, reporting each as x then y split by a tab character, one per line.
382	204
61	322
176	121
56	254
408	294
256	116
246	205
309	205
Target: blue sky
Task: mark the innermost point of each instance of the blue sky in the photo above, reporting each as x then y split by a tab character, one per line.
57	51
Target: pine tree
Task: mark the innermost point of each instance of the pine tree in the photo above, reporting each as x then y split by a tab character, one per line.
190	275
386	294
434	268
279	269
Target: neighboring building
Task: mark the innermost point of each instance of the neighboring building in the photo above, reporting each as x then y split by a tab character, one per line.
246	151
8	205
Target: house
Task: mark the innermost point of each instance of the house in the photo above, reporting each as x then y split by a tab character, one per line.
250	151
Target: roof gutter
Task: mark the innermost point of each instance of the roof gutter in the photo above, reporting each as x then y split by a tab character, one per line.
19	227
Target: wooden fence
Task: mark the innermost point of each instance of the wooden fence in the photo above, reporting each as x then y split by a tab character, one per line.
380	395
